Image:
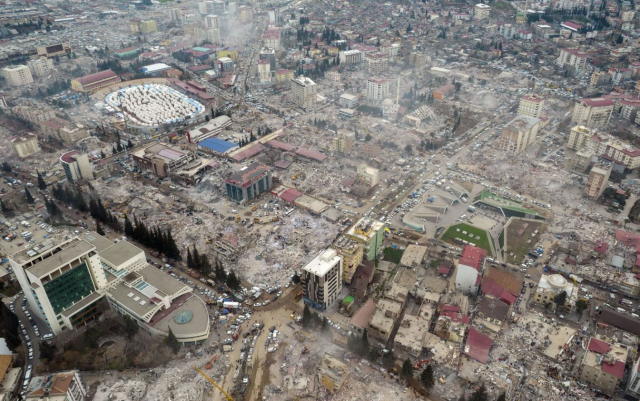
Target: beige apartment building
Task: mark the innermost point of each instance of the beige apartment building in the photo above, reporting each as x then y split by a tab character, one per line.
342	143
574	58
377	63
593	113
603	365
598	181
41	67
72	133
518	134
531	105
377	89
17	75
25	145
579	136
481	11
303	93
33	115
604	145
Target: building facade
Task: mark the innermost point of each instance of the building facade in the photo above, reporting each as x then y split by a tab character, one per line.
342	143
41	67
367	175
481	11
248	184
572	58
24	145
592	113
377	63
76	166
17	75
550	286
603	365
531	105
598	181
303	93
264	71
34	115
65	386
377	89
348	57
519	134
332	373
322	279
352	253
72	133
470	269
93	82
369	233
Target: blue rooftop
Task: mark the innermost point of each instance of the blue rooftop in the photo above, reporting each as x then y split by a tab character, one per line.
201	49
217	145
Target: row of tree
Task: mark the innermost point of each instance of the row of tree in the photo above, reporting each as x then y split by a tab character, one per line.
99	212
154	238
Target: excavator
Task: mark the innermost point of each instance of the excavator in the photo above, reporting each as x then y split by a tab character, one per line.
210	363
420	363
229	398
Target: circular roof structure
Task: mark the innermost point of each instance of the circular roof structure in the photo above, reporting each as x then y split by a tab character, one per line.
557	281
183	317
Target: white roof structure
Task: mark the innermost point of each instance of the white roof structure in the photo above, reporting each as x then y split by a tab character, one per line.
321	264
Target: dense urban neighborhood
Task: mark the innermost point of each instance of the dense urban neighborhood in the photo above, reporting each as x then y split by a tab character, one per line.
217	200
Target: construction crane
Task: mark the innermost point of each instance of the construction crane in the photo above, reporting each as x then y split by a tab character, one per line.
362	125
229	398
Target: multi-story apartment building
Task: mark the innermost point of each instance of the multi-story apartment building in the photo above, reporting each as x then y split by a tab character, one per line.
342	143
246	14
40	67
34	115
248	184
598	180
369	233
264	72
139	26
633	383
605	146
284	75
268	54
76	166
352	253
603	365
377	63
24	145
322	279
481	11
176	14
303	93
599	78
519	134
377	89
367	175
72	133
271	38
212	21
593	113
418	59
348	57
333	373
348	100
572	58
60	386
531	105
17	75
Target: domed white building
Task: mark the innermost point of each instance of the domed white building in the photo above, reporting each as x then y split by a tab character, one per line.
552	285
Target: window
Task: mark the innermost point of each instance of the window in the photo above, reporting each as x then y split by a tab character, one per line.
69	288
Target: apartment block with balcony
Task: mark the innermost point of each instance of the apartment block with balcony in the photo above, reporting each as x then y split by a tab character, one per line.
597	181
17	75
602	365
519	134
303	93
24	145
352	254
572	58
322	279
481	11
592	113
342	143
531	105
377	89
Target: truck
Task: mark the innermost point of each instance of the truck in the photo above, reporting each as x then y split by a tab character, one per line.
194	274
298	296
231	305
237	333
211	282
237	297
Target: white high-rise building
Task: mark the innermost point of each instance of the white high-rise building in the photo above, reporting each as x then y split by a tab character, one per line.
17	75
377	89
264	71
322	279
303	93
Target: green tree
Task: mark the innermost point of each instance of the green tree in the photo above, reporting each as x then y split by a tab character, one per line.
232	281
560	299
3	207
131	328
295	279
27	194
324	326
408	149
581	305
6	167
189	259
47	351
368	137
99	229
173	342
503	397
41	184
407	369
128	227
427	378
480	394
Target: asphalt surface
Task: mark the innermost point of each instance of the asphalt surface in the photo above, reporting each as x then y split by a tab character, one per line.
35	340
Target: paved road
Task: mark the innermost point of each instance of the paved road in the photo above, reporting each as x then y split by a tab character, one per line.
35	340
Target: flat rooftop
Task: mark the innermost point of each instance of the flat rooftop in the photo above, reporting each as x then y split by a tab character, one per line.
187	309
161	281
71	252
101	243
322	263
119	253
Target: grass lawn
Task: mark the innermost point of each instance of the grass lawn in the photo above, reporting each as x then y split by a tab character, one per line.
392	255
518	244
482	242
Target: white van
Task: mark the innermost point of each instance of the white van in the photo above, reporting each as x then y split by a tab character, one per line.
620	310
47	336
